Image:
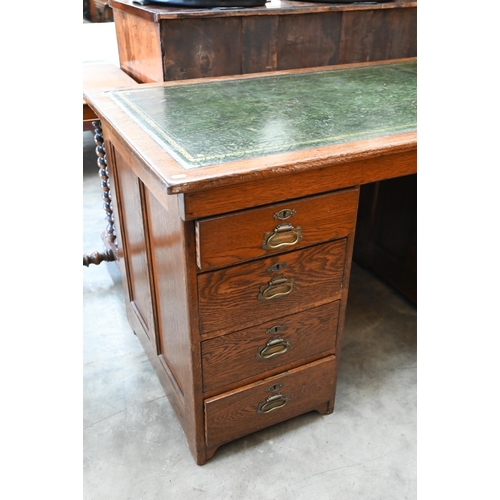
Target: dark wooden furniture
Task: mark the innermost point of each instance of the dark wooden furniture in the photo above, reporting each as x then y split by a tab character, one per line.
162	44
236	203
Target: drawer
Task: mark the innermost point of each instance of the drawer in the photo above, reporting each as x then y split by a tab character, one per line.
238	297
272	346
246	235
256	406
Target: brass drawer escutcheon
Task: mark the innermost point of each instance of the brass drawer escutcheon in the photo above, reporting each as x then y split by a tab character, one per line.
275	329
272	403
274	388
273	347
284	235
284	214
279	266
277	287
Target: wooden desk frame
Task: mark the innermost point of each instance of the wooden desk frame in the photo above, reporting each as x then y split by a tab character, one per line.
158	209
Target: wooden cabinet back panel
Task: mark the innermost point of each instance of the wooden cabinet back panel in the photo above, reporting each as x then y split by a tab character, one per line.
235	414
229	298
240	236
231	358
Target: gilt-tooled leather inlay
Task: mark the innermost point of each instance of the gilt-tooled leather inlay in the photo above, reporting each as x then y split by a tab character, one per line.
214	122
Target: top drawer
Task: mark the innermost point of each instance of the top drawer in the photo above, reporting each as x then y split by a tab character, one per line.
246	235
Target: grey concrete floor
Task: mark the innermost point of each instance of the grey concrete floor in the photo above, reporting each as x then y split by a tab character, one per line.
134	447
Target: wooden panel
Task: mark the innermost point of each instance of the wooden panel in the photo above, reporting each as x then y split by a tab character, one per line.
234	414
239	237
308	40
376	35
139	47
172	268
195	48
259	44
168	260
259	192
135	245
228	299
232	359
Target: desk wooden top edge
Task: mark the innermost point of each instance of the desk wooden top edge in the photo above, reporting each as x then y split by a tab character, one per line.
313	159
158	13
174	179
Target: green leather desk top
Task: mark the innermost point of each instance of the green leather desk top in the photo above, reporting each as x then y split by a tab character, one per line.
208	123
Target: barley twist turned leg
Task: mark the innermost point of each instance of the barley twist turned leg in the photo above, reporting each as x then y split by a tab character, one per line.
110	236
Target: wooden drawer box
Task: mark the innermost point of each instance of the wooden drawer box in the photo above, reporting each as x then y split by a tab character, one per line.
245	295
230	239
231	359
256	406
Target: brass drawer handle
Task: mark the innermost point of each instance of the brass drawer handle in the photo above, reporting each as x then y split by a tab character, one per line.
276	288
272	403
284	235
274	347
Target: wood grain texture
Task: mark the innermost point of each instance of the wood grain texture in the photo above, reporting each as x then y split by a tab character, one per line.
234	414
172	262
168	260
258	192
135	245
208	42
259	38
139	47
238	237
377	35
172	277
228	297
193	48
306	41
231	360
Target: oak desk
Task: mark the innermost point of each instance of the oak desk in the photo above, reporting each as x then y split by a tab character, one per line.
236	203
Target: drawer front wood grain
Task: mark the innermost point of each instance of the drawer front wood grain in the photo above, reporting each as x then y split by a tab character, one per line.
256	406
269	347
242	236
242	296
